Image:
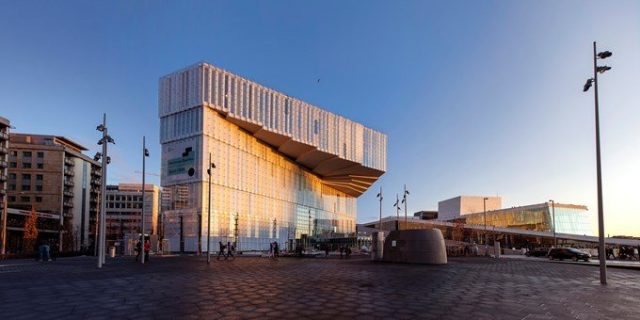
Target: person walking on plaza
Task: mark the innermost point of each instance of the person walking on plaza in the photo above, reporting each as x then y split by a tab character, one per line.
147	248
138	249
276	250
230	250
347	252
221	250
326	251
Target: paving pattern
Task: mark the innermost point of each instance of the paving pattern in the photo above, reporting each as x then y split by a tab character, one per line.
258	288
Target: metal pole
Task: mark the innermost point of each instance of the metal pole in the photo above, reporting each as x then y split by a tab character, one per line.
309	237
380	221
397	213
144	155
209	215
553	210
405	205
103	187
485	221
602	254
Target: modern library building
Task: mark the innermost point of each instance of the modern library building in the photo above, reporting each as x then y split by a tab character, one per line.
280	169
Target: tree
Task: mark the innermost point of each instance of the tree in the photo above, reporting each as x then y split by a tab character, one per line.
30	231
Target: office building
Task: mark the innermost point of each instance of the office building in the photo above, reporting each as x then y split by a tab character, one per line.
284	171
456	207
124	207
51	175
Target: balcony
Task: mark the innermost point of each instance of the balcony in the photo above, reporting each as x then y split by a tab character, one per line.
69	173
68	193
3	150
68	183
4	136
69	161
95	182
3	164
97	173
3	178
67	204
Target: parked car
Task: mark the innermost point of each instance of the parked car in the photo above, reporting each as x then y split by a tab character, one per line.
539	252
568	253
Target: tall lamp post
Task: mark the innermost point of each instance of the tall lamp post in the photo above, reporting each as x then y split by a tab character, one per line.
553	212
211	167
106	139
404	200
486	235
599	69
145	154
397	205
379	196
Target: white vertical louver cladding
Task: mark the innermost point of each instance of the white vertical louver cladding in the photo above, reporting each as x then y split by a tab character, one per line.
344	153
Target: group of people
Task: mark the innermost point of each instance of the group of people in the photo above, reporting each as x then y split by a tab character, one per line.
624	253
139	248
226	251
274	250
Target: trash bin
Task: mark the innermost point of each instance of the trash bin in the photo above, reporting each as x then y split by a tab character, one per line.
112	252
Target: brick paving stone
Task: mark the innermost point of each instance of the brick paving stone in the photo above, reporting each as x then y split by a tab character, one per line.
253	288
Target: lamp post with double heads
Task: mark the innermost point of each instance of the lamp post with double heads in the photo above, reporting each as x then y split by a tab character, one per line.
553	212
404	200
397	205
209	169
486	235
145	154
594	81
106	139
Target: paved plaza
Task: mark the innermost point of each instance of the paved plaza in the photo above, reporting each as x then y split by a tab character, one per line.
185	287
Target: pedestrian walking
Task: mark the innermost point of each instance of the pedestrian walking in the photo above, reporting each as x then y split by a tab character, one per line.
221	250
138	249
147	248
276	250
347	252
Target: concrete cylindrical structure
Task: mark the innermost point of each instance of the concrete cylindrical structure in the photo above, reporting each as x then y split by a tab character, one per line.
415	246
377	245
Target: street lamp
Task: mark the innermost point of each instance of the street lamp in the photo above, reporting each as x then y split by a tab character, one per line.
106	139
379	196
553	210
404	200
486	237
211	166
397	206
599	69
145	154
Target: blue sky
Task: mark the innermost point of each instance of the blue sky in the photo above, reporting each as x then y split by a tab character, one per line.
477	97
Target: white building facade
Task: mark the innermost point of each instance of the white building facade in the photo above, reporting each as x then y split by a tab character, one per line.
284	170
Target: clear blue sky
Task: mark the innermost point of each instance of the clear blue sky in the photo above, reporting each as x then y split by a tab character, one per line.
477	97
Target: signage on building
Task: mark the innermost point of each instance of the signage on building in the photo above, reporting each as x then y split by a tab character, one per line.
182	164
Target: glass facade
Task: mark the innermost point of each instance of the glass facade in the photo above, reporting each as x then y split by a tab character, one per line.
568	218
269	151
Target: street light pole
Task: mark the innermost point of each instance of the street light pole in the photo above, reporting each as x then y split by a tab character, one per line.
397	205
211	166
380	219
486	236
145	154
106	139
599	69
553	209
404	200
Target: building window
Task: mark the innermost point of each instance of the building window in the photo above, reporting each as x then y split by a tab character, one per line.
39	177
38	199
12	187
26	154
40	154
25	199
26	176
13	165
12	176
26	165
40	166
38	188
14	153
26	187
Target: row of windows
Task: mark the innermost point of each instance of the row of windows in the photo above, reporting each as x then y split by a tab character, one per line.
24	199
28	154
26	176
25	165
24	187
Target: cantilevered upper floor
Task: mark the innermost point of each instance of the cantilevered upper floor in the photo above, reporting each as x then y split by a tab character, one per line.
346	154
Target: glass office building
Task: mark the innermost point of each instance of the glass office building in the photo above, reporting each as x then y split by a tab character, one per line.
570	219
284	171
